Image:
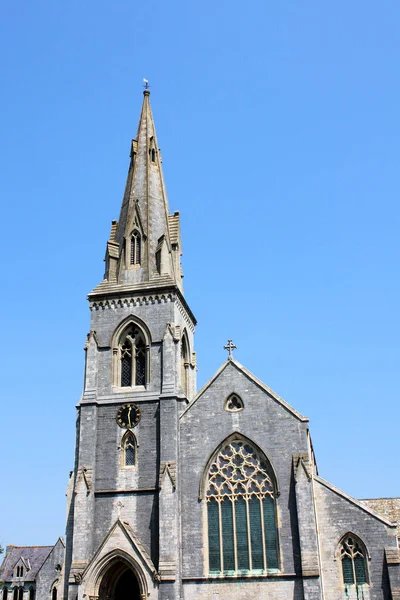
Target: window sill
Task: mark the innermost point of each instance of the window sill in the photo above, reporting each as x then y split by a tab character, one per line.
243	573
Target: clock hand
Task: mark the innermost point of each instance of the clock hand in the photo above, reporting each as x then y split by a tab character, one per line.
129	416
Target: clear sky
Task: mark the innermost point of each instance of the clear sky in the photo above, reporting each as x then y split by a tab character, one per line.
279	127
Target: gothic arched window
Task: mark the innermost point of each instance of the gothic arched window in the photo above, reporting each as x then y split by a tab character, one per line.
136	248
54	594
31	593
15	594
21	593
185	364
5	593
128	448
133	357
240	496
353	558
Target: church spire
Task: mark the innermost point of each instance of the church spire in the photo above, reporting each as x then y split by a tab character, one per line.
144	245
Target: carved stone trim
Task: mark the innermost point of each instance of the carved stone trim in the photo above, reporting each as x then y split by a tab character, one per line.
130	301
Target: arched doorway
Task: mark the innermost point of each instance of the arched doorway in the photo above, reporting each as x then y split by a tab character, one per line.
119	583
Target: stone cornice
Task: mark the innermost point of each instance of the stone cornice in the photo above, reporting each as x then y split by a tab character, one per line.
118	297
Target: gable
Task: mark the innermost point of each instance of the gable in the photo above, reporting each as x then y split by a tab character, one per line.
236	373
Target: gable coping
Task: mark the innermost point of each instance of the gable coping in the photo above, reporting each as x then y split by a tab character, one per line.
357	503
255	380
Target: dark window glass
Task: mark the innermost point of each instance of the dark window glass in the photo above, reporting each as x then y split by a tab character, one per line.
241	534
270	533
256	533
227	535
140	364
54	594
129	453
213	536
359	566
347	565
126	364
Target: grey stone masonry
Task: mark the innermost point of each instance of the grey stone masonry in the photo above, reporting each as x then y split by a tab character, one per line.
179	495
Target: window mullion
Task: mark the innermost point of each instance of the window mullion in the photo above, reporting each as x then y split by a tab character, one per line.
220	535
263	534
354	569
247	498
234	532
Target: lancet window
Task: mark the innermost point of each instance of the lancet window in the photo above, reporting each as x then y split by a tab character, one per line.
133	357
136	248
185	364
54	594
5	593
128	447
240	496
353	557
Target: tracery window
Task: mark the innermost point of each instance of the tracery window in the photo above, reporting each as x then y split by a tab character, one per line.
353	557
135	257
133	357
240	496
129	450
234	403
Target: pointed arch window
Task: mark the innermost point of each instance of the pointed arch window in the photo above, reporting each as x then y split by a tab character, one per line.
353	558
185	364
54	594
133	357
136	248
129	449
31	593
15	594
21	593
5	593
240	496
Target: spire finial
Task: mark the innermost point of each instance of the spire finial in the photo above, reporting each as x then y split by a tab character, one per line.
146	87
230	346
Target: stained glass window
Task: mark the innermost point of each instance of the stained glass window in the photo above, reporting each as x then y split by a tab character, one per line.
240	500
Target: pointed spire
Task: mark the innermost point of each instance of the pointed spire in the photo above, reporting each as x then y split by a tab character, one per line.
145	243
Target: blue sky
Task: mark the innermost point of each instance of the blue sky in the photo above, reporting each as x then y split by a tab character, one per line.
279	128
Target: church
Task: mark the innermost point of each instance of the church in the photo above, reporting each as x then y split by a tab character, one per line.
179	494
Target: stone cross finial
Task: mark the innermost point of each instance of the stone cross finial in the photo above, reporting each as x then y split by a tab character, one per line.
230	346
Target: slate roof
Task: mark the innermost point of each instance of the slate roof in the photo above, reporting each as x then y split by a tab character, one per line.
388	507
33	555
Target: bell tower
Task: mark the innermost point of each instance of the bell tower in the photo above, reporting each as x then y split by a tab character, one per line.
140	372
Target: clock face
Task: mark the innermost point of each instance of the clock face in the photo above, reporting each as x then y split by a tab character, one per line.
128	416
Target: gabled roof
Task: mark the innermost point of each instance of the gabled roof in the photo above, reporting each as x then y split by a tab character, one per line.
35	556
253	378
134	540
352	500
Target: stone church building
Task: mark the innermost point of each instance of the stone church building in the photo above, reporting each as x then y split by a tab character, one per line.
185	495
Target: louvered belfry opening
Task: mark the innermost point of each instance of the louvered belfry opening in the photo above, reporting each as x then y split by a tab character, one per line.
133	358
136	248
352	555
240	498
